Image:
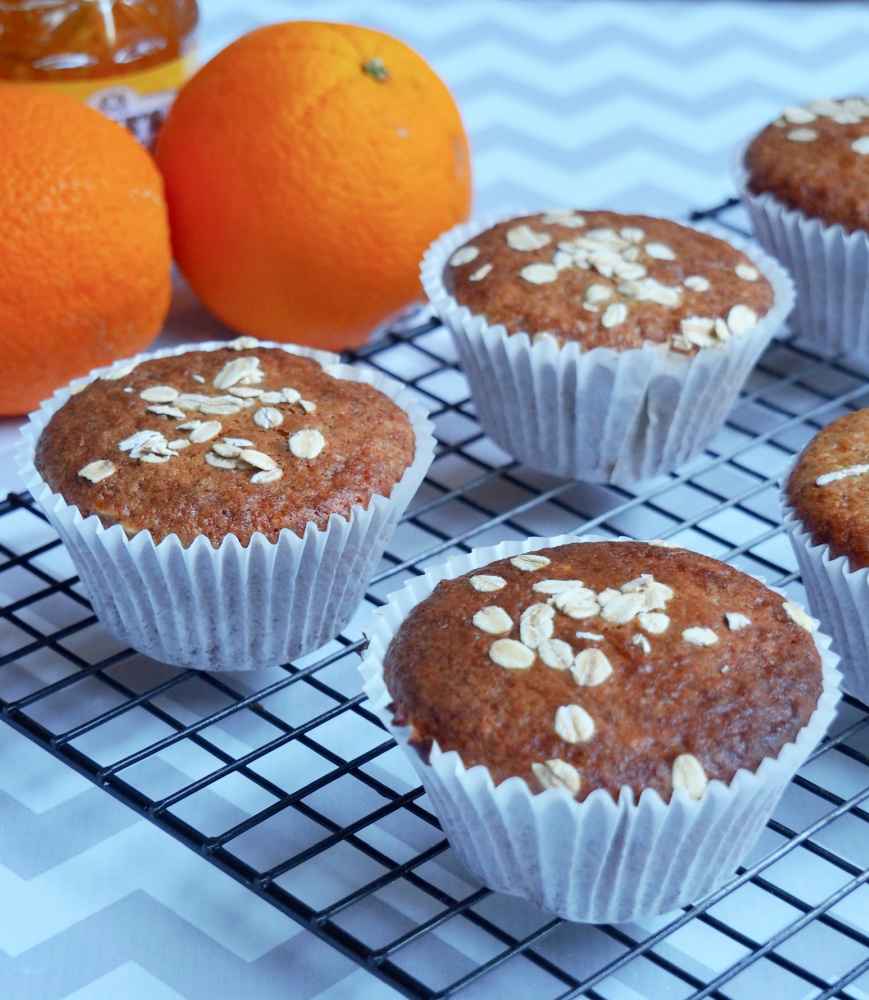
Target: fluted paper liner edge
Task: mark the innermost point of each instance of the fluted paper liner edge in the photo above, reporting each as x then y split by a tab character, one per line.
234	607
600	415
596	861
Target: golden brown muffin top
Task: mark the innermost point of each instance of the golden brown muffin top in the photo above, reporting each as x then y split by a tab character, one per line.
815	158
829	487
603	665
609	280
231	441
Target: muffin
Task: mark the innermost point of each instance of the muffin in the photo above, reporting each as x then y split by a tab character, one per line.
825	502
226	506
805	180
624	338
603	726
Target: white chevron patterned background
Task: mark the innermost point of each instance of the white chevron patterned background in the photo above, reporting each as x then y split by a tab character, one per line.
634	105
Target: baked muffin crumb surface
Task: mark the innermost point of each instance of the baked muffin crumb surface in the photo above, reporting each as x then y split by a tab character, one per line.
829	487
239	440
603	279
603	665
815	158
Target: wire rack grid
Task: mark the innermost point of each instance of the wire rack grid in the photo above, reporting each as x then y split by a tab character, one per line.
287	782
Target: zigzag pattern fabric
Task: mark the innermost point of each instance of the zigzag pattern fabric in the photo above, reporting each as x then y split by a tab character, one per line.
634	106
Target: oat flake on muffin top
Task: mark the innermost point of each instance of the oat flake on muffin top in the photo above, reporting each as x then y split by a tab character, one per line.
815	158
603	665
238	440
609	280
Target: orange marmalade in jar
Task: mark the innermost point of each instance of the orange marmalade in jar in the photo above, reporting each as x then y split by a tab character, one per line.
126	58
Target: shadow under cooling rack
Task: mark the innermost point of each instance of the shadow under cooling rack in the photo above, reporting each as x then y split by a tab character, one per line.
285	780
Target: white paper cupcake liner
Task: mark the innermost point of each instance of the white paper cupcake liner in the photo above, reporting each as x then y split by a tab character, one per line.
837	595
596	861
234	607
600	415
829	267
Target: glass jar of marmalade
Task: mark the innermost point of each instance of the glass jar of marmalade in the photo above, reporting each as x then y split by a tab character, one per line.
126	58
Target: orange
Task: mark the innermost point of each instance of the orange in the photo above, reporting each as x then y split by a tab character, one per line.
85	255
307	167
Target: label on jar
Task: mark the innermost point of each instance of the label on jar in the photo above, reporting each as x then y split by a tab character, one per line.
138	101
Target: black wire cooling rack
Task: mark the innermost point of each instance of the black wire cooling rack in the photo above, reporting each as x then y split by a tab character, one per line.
284	779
